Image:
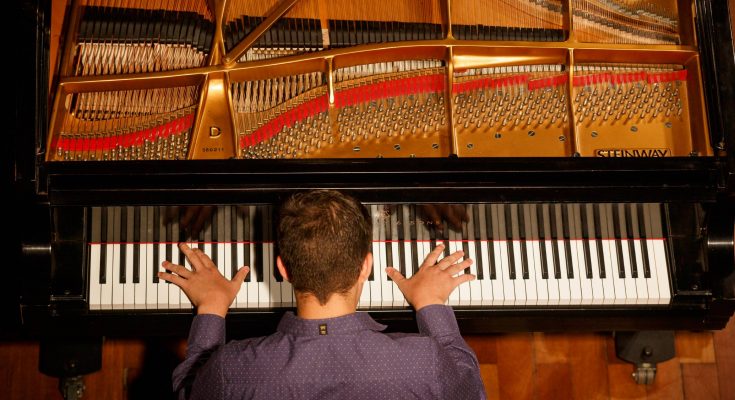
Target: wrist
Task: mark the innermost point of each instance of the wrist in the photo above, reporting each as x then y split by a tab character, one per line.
210	309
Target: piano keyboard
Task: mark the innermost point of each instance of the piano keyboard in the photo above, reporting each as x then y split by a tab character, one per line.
524	254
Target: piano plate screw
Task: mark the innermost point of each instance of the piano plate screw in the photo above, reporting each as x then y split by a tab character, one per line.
531	133
356	148
668	125
435	146
594	133
634	128
562	138
498	135
397	146
470	145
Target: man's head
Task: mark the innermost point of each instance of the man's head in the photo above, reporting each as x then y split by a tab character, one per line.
323	239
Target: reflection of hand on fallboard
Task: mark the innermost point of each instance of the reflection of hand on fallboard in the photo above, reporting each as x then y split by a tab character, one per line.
192	219
437	214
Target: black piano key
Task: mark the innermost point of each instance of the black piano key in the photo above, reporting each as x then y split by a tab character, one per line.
554	240
522	238
540	224
414	237
477	239
103	247
509	241
215	235
248	242
136	244
401	225
631	241
566	224
233	240
123	243
643	236
155	239
490	240
598	240
388	243
259	225
183	236
586	240
465	244
618	244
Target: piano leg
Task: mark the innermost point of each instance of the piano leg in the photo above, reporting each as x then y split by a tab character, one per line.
69	359
644	349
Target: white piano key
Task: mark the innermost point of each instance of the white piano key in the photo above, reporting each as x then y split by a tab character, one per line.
167	296
580	273
175	294
398	299
129	288
117	288
659	247
455	298
652	282
577	251
485	283
502	288
106	287
533	276
241	300
223	224
610	256
376	286
386	285
474	244
95	289
252	286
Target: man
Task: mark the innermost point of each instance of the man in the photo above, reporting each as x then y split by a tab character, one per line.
327	350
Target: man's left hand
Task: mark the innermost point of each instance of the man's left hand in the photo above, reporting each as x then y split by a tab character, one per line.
205	287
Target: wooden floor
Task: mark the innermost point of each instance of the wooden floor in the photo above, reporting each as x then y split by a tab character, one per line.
513	366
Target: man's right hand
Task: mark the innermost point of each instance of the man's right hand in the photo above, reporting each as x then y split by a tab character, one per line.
434	281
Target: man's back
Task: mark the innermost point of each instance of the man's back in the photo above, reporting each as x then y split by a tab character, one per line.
342	358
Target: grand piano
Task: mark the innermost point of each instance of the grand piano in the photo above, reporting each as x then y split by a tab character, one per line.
582	152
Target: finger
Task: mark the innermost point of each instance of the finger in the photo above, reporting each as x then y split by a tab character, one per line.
190	255
202	260
175	279
450	259
455	268
433	256
177	269
240	275
396	275
462	279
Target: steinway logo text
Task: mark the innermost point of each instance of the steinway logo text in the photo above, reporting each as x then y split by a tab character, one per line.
633	152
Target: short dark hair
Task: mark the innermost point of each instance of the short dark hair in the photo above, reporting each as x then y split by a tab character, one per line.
323	238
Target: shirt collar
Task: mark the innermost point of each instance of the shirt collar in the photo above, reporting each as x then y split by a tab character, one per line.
344	325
